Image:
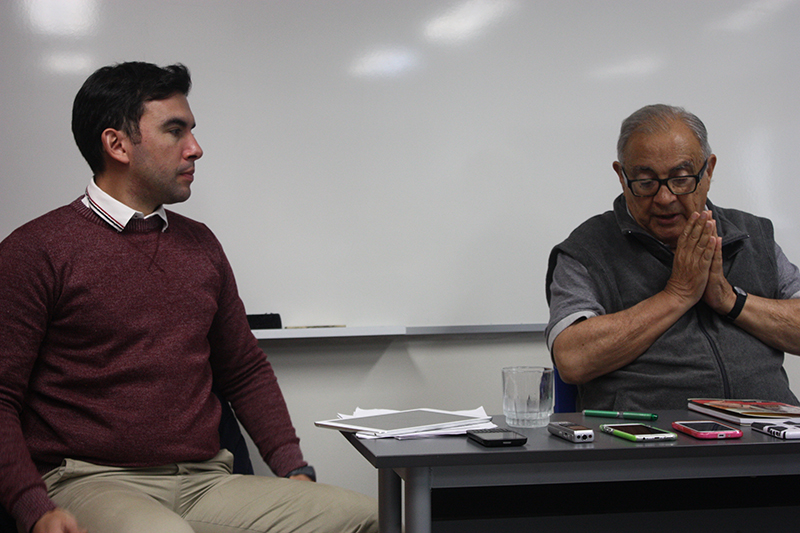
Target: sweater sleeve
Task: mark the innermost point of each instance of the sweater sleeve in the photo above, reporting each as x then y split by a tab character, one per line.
26	281
246	378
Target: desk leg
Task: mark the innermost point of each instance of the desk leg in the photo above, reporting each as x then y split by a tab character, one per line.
389	501
418	500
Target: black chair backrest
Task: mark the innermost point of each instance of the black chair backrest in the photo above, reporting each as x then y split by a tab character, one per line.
231	438
7	524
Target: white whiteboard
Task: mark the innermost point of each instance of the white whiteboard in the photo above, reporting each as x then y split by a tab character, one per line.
409	162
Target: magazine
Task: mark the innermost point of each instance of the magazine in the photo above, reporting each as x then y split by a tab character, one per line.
745	412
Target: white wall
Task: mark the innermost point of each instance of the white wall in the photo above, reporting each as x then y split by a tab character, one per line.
410	162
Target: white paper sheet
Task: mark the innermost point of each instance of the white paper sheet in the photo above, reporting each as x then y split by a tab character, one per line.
460	430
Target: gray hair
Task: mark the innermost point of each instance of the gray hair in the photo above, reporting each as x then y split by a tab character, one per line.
658	117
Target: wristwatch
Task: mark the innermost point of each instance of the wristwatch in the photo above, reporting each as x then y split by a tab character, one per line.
307	470
741	296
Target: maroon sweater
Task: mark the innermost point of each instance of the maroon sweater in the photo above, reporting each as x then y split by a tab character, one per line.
108	344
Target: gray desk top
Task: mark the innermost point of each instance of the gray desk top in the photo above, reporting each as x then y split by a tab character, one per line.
542	447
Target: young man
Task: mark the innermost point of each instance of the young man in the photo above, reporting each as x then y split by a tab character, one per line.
669	297
115	316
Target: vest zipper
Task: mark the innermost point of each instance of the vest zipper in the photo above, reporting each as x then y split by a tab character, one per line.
726	388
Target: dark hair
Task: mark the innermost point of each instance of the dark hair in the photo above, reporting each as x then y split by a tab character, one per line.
114	97
658	117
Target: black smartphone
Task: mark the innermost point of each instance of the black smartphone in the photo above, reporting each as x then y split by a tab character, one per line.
496	437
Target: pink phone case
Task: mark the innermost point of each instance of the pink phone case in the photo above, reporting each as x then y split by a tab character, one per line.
727	433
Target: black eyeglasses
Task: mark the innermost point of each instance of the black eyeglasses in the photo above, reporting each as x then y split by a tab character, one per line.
677	185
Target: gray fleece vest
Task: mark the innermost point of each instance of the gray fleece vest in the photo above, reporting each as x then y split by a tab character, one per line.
702	355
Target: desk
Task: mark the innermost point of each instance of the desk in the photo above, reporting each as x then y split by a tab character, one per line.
453	462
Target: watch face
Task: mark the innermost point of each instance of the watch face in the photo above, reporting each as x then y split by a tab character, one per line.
737	290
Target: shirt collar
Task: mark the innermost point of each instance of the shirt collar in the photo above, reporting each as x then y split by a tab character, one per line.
114	212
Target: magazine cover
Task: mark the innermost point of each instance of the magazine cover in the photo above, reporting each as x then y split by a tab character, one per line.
745	411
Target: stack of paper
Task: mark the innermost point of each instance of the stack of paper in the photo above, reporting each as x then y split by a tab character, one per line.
439	422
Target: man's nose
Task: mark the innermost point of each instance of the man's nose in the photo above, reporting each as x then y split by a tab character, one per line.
194	150
664	195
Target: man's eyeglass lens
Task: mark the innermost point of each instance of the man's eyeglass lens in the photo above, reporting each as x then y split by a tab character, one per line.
677	185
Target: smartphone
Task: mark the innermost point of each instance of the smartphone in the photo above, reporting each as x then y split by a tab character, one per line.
571	431
496	437
707	429
782	430
638	432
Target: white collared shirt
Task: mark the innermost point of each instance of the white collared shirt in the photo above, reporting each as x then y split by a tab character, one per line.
113	211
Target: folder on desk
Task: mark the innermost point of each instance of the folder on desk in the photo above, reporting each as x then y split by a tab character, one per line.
401	422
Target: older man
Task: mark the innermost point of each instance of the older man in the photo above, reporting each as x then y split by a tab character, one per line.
669	297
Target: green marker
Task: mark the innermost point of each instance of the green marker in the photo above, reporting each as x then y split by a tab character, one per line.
620	414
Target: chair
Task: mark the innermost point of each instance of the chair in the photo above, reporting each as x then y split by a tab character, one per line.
7	524
230	438
565	395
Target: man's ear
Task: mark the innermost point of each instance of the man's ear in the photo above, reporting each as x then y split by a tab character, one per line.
712	163
115	144
618	169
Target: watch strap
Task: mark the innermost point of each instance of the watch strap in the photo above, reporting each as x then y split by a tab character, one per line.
305	470
741	296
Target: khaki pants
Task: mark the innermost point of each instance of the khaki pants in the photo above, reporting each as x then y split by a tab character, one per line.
203	498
